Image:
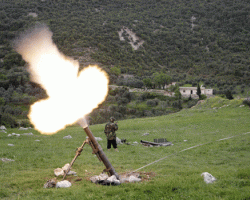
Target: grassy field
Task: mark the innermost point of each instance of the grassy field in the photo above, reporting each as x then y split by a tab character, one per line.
176	177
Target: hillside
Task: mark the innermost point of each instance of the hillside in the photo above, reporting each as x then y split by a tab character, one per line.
205	40
189	41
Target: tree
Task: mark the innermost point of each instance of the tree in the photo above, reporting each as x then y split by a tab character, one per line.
198	90
177	94
2	101
147	82
115	70
229	95
161	79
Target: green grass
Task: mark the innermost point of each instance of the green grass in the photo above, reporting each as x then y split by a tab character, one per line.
176	177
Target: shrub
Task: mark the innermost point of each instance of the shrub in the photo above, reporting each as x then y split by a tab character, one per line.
26	99
203	97
164	104
25	113
8	109
153	102
246	102
2	102
229	95
122	101
192	103
148	113
118	115
9	121
110	99
25	123
17	111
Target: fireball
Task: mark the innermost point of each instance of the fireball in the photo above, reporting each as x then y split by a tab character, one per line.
71	94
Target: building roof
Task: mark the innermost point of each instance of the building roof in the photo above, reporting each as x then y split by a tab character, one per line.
191	88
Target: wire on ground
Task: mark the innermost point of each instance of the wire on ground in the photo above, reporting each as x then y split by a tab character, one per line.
188	149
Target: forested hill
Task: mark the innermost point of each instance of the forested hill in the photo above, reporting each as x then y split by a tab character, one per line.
190	40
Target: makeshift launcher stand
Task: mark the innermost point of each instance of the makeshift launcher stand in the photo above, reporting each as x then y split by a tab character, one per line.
97	149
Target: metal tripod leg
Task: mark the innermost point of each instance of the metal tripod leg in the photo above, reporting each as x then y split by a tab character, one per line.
78	153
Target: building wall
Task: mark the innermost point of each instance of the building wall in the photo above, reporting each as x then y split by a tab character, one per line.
187	91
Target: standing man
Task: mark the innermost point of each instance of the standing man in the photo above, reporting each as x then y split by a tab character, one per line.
109	131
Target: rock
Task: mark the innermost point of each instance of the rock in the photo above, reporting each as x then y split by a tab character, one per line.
65	167
37	140
71	173
103	176
145	134
133	179
135	142
27	134
23	129
98	138
13	134
32	14
185	140
113	180
104	179
94	179
3	131
125	177
63	184
67	137
6	160
50	183
58	172
11	145
3	128
208	178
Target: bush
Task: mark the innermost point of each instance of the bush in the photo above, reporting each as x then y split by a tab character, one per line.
203	97
153	102
147	95
229	95
164	104
9	121
118	115
247	102
17	111
25	123
122	101
110	99
25	113
192	103
8	109
148	113
2	102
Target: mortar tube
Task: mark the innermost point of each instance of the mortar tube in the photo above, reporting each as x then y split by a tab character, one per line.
100	152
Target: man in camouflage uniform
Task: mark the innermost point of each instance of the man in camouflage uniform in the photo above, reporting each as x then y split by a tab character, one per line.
109	131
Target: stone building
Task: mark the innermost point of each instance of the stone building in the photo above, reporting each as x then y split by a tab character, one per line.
187	91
